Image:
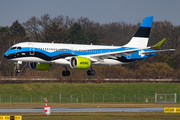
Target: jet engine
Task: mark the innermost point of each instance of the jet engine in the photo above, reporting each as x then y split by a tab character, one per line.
39	66
78	62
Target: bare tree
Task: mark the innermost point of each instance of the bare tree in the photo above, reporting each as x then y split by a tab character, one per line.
33	28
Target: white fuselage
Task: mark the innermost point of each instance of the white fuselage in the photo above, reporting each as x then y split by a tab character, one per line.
53	50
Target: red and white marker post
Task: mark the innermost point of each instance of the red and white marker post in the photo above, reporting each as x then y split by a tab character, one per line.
46	108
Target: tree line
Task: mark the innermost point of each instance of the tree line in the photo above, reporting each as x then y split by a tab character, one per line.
63	29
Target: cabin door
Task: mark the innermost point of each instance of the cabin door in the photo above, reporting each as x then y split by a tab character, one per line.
31	49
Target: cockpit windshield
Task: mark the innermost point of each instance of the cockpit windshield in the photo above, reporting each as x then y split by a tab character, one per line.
13	48
19	48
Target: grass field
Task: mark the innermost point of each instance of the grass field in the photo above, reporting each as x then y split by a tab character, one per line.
86	105
30	96
86	93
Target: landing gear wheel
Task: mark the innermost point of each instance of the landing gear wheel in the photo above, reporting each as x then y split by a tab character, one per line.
17	71
66	72
90	72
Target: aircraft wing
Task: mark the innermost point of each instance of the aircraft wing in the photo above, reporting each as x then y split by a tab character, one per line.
101	56
114	55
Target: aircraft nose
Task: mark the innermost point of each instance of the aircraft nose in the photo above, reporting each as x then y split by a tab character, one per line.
6	55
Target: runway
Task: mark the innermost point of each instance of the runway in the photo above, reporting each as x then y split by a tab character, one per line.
83	110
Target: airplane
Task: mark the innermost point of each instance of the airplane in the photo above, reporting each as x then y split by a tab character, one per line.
78	56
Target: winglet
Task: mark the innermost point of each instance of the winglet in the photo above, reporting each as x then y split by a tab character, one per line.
159	43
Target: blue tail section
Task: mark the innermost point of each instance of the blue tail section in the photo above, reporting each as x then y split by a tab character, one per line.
147	22
141	37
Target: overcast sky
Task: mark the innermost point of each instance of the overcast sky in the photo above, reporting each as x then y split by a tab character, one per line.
101	11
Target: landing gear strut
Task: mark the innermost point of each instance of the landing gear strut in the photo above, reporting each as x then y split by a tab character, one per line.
91	72
66	72
17	67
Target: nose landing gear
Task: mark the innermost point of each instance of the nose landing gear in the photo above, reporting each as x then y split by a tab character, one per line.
17	66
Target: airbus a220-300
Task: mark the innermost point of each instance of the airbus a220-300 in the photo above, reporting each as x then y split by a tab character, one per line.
78	56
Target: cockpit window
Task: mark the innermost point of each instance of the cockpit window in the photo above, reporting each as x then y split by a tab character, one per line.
19	48
12	48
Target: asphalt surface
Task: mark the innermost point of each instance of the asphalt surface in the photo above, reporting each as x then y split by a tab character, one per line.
84	110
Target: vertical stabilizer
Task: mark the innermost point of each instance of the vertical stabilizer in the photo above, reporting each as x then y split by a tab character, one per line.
141	37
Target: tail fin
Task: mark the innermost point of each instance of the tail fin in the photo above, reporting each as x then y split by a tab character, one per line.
141	37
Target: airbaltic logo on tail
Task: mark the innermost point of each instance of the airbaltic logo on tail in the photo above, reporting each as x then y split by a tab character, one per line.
83	62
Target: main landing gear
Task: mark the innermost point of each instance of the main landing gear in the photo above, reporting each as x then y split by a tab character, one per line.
91	72
66	72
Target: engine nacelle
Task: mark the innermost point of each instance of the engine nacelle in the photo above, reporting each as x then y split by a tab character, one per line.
39	66
80	62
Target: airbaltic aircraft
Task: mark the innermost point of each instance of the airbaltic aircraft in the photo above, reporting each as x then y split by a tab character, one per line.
41	55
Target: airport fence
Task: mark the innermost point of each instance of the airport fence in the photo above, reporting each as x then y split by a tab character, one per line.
77	98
